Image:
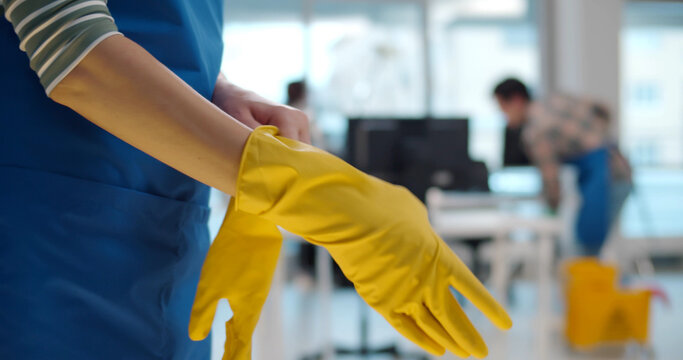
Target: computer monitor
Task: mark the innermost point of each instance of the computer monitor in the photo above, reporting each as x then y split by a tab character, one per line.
449	140
414	152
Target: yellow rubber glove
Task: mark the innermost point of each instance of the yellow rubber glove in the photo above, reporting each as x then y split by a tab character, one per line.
378	233
239	267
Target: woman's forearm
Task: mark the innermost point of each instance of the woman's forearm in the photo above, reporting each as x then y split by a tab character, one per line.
123	89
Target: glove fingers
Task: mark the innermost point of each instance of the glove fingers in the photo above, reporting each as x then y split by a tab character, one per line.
211	288
205	301
450	315
407	327
239	267
462	279
236	347
431	326
201	319
213	284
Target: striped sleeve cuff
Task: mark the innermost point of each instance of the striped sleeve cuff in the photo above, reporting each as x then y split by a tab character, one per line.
57	34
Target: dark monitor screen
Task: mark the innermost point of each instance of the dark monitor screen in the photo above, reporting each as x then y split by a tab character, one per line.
410	151
377	143
449	140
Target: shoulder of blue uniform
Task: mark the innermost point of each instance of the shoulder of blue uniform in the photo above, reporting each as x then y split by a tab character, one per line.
57	34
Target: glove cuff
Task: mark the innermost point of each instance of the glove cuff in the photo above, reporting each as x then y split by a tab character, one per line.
252	193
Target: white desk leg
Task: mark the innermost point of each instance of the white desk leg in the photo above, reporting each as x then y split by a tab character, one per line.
499	268
545	261
269	335
499	283
323	263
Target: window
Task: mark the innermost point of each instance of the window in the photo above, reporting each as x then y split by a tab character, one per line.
361	58
366	60
476	44
264	56
652	84
652	116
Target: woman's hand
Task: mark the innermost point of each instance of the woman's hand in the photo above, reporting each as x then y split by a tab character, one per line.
253	110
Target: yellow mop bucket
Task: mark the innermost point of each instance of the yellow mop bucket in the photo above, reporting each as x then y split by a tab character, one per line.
597	310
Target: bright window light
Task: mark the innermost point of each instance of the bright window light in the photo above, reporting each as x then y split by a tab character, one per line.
486	8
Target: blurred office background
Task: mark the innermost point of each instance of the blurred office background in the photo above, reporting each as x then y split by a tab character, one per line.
383	60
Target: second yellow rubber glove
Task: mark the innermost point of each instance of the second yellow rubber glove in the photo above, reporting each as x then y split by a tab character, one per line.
378	233
239	267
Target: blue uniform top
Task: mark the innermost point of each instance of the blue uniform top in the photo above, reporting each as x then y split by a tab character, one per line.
100	244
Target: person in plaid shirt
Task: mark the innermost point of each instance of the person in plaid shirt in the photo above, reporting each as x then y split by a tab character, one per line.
566	129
